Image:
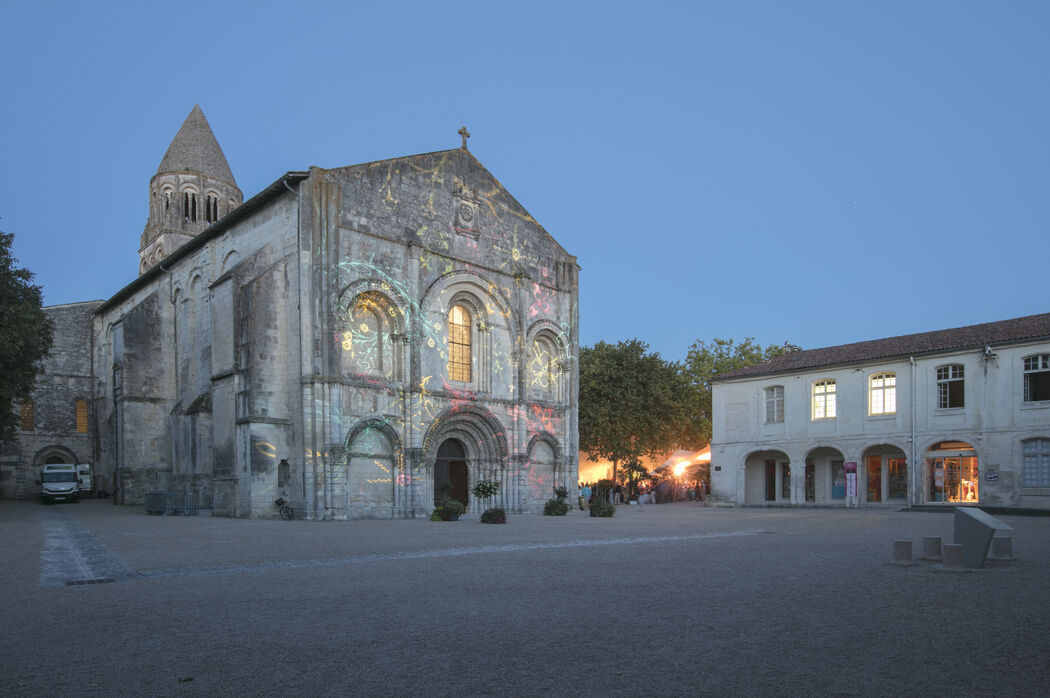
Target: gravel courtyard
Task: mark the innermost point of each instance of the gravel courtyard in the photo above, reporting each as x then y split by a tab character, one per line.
666	600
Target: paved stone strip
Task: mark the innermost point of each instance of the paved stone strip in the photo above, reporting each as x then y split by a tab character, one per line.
72	556
421	554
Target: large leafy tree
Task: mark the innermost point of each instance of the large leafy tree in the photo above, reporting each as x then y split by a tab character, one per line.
25	336
633	403
705	361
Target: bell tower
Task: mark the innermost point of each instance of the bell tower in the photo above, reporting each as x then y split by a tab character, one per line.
192	189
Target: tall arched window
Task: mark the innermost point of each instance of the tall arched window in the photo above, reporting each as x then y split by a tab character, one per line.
211	208
459	344
189	206
81	416
28	419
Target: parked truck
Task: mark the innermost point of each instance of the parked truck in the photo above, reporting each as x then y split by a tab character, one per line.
84	477
58	483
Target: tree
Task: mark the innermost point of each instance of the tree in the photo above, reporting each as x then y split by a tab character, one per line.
705	361
632	403
25	336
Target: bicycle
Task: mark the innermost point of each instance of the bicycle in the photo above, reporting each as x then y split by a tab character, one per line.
287	513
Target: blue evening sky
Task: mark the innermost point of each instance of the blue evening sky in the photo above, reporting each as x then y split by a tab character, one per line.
818	172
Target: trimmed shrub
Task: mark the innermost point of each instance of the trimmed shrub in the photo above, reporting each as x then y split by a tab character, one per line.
494	515
555	507
600	507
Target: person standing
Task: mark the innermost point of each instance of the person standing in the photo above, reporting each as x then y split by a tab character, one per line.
585	497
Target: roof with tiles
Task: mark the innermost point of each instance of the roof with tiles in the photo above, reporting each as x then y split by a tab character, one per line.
973	336
195	149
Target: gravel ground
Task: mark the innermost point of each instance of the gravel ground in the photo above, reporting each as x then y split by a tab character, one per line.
666	600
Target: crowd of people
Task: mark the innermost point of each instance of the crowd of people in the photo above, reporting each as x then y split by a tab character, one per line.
616	493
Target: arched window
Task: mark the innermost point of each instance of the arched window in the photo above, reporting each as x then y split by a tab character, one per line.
28	420
542	367
189	206
364	338
211	208
883	394
459	344
81	409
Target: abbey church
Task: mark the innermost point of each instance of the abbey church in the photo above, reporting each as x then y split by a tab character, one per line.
358	340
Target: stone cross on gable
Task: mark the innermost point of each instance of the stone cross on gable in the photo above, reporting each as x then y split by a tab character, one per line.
465	134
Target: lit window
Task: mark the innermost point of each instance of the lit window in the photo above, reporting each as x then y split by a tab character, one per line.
824	399
1037	378
459	344
28	420
1036	454
775	404
883	393
950	386
82	416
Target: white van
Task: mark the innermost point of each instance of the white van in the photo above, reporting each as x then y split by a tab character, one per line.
58	483
84	476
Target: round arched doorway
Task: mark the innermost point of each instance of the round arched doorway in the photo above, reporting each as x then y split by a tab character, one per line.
450	473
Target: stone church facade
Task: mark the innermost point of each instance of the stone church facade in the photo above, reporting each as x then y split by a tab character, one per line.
356	340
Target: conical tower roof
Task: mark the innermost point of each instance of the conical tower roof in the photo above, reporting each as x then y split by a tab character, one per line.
194	149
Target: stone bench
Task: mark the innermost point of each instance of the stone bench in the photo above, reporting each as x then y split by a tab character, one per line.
974	530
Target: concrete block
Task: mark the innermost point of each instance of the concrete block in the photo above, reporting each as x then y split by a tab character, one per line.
1002	549
974	530
953	556
902	552
931	548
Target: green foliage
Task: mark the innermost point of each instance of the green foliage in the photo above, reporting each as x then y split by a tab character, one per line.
26	333
705	361
555	507
601	507
485	488
453	506
561	492
496	515
436	516
633	403
635	472
602	488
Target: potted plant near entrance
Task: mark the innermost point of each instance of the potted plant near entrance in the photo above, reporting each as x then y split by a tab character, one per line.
487	489
448	509
451	510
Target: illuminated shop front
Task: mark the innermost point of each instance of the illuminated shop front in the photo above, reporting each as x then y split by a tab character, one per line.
952	473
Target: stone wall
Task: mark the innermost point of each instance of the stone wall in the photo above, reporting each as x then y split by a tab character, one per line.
64	380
